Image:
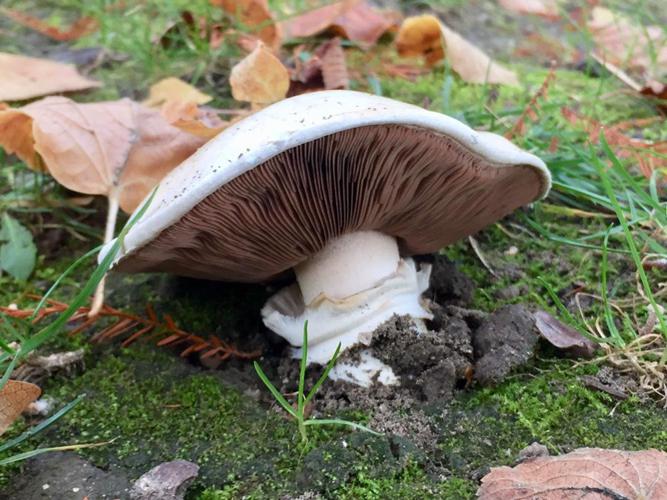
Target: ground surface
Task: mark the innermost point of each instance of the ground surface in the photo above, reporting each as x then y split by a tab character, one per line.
443	432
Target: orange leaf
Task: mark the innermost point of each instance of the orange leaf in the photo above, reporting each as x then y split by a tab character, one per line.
193	120
15	396
260	78
81	27
428	37
174	89
352	19
27	77
255	15
583	473
117	148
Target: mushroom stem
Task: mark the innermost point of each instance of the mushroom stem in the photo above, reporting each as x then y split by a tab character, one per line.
112	215
345	291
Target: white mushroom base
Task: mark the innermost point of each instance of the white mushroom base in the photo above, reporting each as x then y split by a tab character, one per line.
351	319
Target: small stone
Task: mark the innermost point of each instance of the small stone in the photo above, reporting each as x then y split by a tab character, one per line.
531	451
512	251
167	481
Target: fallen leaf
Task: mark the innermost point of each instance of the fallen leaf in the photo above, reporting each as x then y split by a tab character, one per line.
27	77
543	8
174	90
188	117
627	45
118	148
583	473
354	20
334	68
259	78
427	36
255	16
563	337
17	249
15	396
325	68
81	27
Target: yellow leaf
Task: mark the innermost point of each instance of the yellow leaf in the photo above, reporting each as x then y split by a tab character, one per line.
174	89
27	77
260	78
427	36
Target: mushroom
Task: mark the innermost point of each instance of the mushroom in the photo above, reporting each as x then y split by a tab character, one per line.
340	188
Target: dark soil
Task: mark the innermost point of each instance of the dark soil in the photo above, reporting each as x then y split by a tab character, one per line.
67	476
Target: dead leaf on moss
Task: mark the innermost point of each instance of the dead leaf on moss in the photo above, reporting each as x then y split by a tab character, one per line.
562	336
15	396
81	27
543	8
583	473
627	45
259	78
24	77
354	20
115	148
255	16
426	36
173	89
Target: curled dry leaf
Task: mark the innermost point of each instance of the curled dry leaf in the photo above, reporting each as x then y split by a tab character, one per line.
81	27
354	20
562	336
427	36
628	45
584	473
259	78
15	396
174	90
543	8
325	69
27	77
255	16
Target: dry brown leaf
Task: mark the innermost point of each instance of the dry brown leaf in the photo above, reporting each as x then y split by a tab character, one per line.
173	89
627	45
15	396
256	16
334	68
543	8
562	336
590	473
259	78
352	19
81	27
188	117
27	77
117	149
325	69
427	36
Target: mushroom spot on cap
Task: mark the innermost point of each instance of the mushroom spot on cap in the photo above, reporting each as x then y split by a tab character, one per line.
422	187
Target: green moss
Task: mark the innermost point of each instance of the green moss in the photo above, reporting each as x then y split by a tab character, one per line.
490	426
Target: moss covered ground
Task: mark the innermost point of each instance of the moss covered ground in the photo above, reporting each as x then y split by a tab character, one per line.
152	406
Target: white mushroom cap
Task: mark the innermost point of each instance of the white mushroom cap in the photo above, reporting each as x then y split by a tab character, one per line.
293	122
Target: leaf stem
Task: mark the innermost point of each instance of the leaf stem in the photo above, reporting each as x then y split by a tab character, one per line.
109	230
